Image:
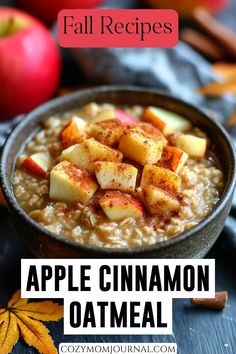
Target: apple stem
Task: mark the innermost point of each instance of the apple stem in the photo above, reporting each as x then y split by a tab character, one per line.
10	26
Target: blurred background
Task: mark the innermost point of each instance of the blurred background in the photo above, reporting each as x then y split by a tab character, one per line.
201	68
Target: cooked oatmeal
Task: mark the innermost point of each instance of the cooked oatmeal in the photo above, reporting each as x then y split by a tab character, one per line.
112	177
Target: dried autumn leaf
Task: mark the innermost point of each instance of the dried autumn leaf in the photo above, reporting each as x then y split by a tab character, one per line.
9	333
22	318
217	89
36	334
16	299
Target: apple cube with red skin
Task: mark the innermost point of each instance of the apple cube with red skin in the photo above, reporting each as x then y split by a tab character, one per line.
70	184
160	202
118	206
172	158
115	113
125	118
136	146
73	133
38	163
108	131
116	176
161	177
85	154
167	122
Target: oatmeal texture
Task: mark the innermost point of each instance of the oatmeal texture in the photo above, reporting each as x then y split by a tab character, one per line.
202	182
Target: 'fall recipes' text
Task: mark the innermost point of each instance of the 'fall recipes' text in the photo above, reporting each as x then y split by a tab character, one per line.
98	28
110	26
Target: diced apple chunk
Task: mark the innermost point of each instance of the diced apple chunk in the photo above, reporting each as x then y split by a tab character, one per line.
107	114
161	177
73	133
115	175
148	130
108	132
192	145
160	202
139	148
118	206
166	121
172	158
85	154
70	184
38	163
124	118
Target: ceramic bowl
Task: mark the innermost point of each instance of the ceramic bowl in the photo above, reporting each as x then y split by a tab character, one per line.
194	243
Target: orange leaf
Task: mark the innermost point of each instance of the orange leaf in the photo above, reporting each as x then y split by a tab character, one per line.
23	318
35	334
2	310
44	311
16	299
9	333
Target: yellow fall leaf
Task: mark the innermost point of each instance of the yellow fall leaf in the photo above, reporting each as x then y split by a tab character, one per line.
9	333
36	334
22	318
16	299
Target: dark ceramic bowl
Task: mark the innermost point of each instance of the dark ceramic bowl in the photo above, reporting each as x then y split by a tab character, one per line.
193	243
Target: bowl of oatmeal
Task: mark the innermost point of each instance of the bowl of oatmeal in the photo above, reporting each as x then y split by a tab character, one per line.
118	172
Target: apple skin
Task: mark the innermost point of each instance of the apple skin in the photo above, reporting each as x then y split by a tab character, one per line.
30	165
185	8
47	10
30	66
124	117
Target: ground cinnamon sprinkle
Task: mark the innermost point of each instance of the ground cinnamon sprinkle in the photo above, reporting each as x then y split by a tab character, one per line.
87	223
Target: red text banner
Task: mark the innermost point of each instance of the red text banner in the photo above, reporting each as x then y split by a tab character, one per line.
117	28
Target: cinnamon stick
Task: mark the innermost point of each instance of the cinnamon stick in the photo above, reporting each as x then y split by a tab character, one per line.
224	37
206	46
217	303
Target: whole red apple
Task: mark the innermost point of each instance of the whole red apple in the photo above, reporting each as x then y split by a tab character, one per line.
47	10
185	8
29	63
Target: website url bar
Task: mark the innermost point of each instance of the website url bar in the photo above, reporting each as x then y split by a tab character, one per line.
118	348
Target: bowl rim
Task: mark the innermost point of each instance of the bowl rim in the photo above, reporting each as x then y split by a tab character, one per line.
106	251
